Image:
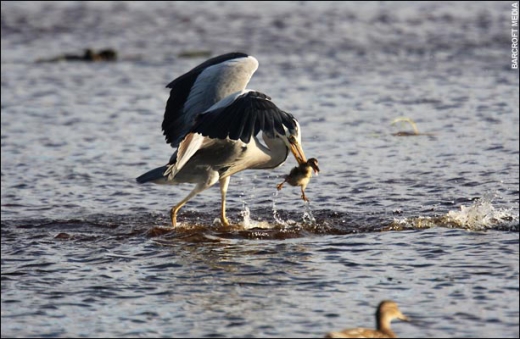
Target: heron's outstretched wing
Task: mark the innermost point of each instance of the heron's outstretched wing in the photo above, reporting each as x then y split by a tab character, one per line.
239	116
249	113
200	88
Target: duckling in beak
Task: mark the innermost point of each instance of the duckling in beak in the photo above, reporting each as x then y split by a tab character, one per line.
300	175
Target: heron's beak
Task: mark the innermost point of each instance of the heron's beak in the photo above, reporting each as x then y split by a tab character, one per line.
297	151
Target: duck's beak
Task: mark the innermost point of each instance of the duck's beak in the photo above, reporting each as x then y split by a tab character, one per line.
297	151
403	317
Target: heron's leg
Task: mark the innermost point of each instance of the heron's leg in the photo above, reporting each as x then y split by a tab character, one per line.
223	190
198	188
304	197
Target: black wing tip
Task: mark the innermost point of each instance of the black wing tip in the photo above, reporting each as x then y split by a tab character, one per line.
232	55
247	115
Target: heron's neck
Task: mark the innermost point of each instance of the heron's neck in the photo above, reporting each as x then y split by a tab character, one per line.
274	154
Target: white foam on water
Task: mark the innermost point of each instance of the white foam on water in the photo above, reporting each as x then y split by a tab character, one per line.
308	217
249	223
481	215
276	217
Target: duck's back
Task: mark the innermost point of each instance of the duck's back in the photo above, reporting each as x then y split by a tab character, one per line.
359	333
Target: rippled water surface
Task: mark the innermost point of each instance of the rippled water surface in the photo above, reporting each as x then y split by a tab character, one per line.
429	220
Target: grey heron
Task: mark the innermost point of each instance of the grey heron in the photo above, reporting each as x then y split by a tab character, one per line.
386	312
214	123
300	176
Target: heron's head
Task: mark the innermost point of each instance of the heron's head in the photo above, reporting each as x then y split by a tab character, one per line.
293	141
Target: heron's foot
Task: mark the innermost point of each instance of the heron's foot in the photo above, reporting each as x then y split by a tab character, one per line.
304	197
279	186
224	221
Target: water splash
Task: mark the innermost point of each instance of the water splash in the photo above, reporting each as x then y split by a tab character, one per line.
276	217
246	216
479	216
308	217
248	223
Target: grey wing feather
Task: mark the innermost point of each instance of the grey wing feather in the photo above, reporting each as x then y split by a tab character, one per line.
200	88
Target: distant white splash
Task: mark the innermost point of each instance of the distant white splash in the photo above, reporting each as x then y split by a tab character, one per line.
479	216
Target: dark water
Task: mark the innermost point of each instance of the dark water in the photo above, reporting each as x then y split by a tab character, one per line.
429	220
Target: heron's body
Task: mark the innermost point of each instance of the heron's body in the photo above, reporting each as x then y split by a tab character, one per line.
222	158
215	124
386	312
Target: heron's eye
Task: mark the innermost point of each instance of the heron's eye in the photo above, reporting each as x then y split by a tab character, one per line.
292	139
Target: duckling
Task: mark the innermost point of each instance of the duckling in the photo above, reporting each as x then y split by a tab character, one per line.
386	312
300	175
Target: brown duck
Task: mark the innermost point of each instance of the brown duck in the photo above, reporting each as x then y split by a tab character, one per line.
386	312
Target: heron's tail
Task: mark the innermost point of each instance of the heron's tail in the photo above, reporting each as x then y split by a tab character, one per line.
155	176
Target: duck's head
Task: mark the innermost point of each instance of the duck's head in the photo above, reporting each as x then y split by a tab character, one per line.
313	162
389	310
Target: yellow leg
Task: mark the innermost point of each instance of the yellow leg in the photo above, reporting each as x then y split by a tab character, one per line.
173	213
223	190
